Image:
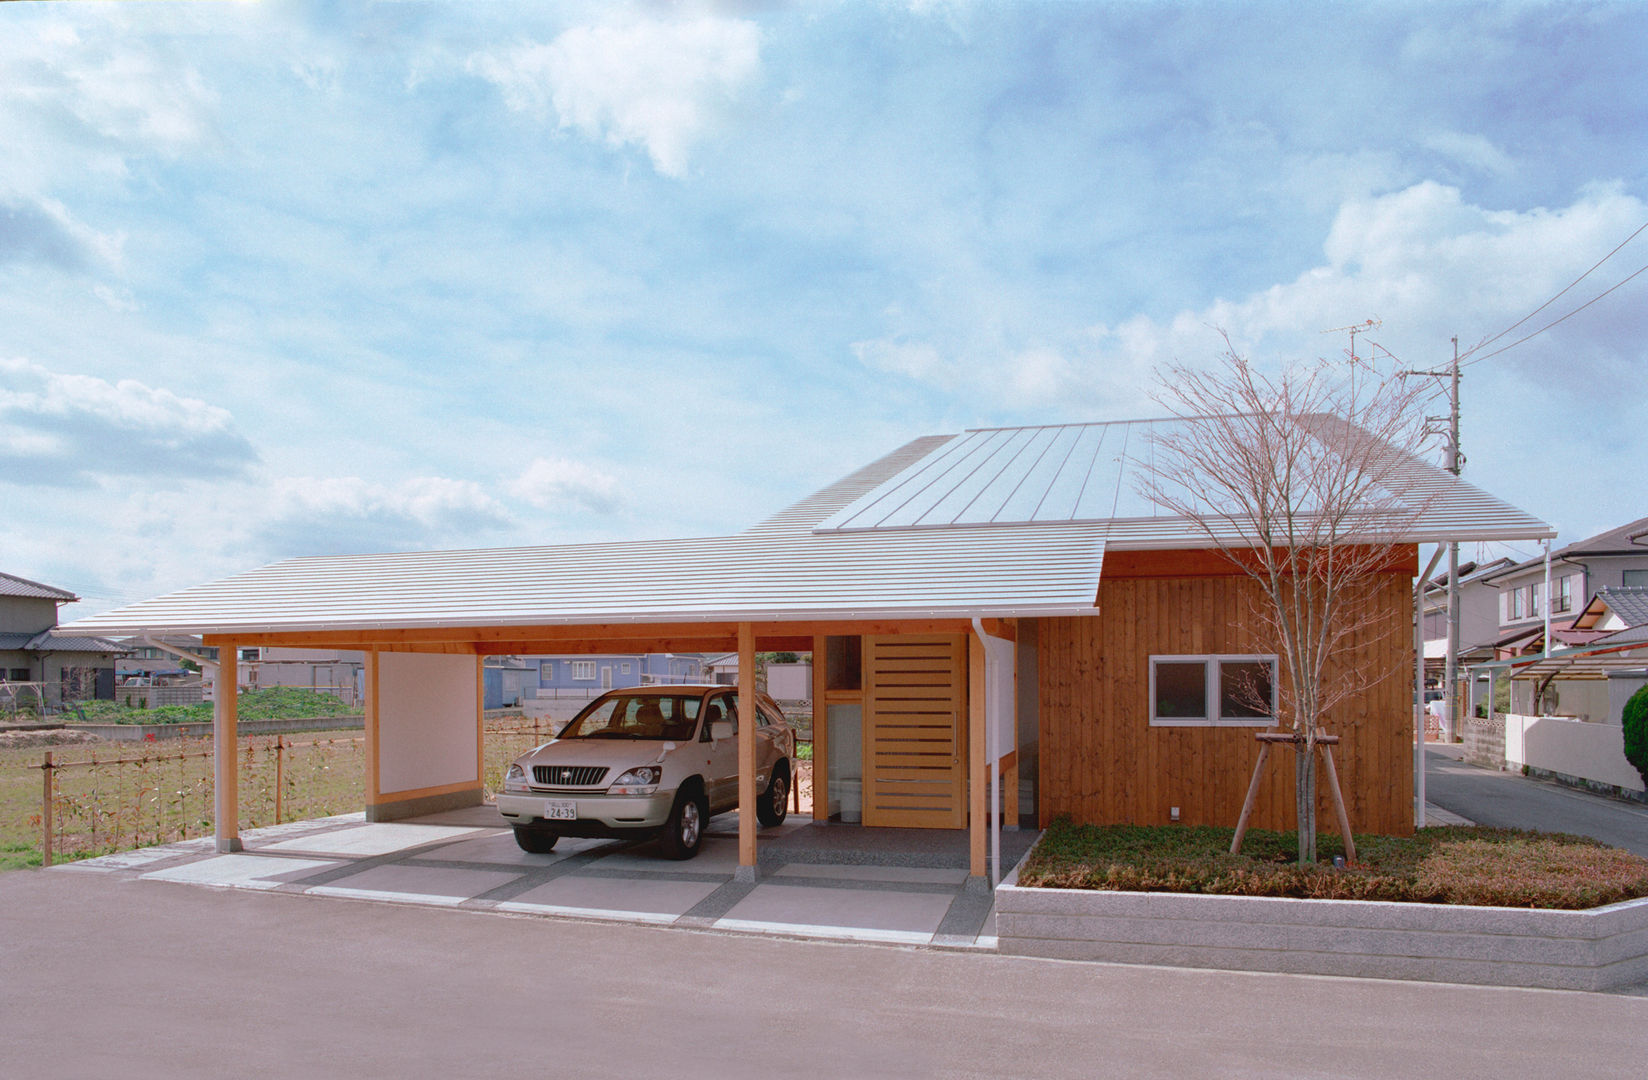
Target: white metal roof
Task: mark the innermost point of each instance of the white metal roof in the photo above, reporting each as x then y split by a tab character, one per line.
1091	473
1005	571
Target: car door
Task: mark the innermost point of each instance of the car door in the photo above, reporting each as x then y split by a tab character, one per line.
722	772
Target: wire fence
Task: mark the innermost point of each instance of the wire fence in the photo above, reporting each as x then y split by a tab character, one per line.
88	801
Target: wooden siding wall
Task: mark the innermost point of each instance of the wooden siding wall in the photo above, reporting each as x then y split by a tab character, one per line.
1101	762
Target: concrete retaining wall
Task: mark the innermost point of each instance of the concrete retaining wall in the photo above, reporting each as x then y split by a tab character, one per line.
1564	746
1572	950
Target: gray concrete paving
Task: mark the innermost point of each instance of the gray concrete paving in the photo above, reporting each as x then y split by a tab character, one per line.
102	976
1511	800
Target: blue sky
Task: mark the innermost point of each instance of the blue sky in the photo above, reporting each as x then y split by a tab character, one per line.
283	279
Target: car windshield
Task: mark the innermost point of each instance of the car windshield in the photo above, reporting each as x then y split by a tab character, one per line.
637	716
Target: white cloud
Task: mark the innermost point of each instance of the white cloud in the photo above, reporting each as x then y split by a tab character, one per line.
336	515
557	483
1473	150
1424	261
66	429
43	230
660	84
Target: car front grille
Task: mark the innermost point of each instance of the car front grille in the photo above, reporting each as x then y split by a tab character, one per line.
568	775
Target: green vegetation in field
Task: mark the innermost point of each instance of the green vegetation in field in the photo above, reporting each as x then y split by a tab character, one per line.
273	703
1445	865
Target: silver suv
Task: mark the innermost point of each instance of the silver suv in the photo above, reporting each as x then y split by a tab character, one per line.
648	761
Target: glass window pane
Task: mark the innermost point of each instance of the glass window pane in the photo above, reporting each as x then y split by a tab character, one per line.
1181	690
1245	692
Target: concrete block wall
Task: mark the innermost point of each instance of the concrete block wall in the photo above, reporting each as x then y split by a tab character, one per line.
1573	950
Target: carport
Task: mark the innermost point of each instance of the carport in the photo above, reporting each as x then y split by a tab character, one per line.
931	612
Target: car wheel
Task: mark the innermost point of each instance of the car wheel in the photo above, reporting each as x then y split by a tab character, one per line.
535	841
774	803
684	831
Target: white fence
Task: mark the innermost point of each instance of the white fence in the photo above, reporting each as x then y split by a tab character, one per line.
1572	748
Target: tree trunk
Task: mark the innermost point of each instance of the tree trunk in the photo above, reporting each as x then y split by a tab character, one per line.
1304	798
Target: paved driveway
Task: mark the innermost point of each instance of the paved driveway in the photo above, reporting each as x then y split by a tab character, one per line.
1511	800
899	886
104	977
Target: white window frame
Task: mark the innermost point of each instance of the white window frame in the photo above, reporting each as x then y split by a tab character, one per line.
1210	670
583	670
546	670
623	669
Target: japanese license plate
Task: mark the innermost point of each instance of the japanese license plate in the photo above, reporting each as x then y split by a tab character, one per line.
560	810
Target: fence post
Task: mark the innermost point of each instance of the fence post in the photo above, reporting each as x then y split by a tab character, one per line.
280	773
46	769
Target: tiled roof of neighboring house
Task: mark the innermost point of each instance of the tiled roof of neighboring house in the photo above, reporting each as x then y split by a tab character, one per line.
52	641
1629	602
1470	571
1628	539
12	585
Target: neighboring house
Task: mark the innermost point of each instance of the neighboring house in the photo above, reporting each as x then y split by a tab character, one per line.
999	603
62	668
513	679
1618	557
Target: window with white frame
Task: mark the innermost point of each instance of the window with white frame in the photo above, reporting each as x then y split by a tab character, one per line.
1203	691
583	670
1562	594
1534	606
1517	609
546	670
624	668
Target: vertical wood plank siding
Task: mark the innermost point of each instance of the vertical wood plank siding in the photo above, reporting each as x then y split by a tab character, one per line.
1102	762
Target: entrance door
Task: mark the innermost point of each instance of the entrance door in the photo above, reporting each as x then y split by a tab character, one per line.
915	699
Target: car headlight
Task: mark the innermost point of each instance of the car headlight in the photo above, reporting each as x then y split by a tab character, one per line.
640	781
515	779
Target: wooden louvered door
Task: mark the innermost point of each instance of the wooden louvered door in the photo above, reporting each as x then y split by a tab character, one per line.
915	754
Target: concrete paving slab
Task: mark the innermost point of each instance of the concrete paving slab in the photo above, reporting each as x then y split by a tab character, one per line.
410	883
242	871
375	839
141	857
604	897
898	874
877	915
719	855
500	849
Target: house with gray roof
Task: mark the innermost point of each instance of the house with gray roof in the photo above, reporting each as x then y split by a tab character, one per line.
55	667
1616	558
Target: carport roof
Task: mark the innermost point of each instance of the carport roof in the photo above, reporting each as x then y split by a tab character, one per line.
1005	571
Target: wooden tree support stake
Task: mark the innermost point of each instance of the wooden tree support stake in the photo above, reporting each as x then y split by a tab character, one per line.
1325	744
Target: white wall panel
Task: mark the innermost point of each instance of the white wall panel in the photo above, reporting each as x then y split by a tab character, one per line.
426	721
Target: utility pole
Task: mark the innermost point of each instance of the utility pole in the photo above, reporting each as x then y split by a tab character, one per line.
1455	464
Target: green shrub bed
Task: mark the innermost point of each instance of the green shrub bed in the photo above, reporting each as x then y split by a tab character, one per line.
274	703
1443	865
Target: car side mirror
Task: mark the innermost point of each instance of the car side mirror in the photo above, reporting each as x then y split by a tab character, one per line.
721	729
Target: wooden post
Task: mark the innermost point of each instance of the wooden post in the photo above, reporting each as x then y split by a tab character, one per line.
1338	798
821	729
280	773
46	770
746	752
975	756
1252	797
226	762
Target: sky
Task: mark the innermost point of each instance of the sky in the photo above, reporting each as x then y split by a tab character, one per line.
287	279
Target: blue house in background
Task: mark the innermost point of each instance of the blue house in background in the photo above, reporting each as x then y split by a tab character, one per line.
510	679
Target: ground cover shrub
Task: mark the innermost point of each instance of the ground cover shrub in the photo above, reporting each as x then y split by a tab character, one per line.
1443	865
1634	720
271	703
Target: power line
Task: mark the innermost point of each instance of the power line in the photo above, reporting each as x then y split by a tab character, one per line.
1489	341
1553	322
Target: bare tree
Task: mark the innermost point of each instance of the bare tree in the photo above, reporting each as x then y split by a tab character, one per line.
1306	483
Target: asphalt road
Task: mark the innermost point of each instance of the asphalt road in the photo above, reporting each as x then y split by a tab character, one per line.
101	977
1511	800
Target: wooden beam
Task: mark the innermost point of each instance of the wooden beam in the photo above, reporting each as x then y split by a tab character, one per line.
976	781
746	751
821	729
225	750
770	633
